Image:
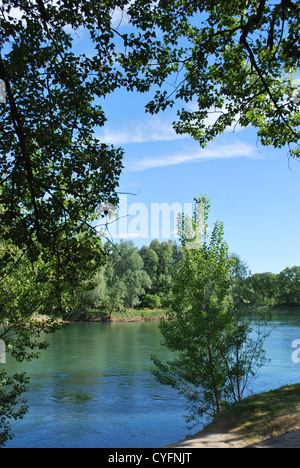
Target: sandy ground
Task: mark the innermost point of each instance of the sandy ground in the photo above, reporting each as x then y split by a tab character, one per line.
230	440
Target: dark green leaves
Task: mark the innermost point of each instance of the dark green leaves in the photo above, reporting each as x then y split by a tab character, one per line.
216	355
236	58
54	172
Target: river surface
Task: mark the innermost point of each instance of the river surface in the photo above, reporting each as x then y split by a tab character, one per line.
93	387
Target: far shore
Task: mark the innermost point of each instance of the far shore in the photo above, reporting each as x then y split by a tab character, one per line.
137	315
129	315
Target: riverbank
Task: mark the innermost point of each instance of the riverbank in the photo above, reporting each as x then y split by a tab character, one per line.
266	420
138	315
128	315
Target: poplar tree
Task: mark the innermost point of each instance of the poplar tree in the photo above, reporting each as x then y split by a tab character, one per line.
215	358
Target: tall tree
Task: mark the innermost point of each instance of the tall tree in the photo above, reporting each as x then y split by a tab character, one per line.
54	172
127	271
159	260
289	287
216	356
264	287
151	261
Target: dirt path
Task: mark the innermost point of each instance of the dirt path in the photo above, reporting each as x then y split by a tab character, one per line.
217	440
288	440
266	420
209	440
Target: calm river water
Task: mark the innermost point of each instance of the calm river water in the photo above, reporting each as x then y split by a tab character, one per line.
93	387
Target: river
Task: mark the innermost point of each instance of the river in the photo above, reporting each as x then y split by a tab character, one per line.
93	387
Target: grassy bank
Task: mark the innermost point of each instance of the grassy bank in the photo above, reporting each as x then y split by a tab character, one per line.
260	417
128	315
136	315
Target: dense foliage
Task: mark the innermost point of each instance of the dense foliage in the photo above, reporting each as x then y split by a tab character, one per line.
281	290
227	63
142	277
216	352
54	172
233	59
131	278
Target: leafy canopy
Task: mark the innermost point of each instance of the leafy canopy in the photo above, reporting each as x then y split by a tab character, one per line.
54	172
230	63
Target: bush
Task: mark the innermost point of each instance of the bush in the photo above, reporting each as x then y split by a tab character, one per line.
151	301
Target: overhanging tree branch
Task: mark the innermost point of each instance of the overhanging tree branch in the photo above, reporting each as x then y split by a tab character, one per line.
266	86
19	129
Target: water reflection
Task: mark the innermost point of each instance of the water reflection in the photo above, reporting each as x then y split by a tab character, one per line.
95	381
93	387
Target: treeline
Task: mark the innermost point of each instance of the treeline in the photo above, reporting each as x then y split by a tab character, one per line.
281	290
131	278
142	277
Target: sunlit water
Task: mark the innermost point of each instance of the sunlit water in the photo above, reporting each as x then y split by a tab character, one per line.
93	387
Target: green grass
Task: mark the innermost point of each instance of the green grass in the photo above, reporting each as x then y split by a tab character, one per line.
261	416
138	315
130	315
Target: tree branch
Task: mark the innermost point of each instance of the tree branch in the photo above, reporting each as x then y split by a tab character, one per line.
19	129
45	20
267	89
253	20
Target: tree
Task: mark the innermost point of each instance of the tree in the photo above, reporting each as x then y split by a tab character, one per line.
289	287
234	61
151	262
23	293
90	297
127	270
241	294
54	172
265	289
159	260
12	405
216	358
151	301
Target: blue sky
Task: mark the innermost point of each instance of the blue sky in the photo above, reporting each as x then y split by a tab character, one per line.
254	190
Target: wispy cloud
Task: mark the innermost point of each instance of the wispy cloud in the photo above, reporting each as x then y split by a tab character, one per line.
151	130
214	114
155	128
238	149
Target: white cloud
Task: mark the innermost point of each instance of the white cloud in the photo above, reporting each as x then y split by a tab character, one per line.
120	16
151	130
214	114
296	97
238	149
